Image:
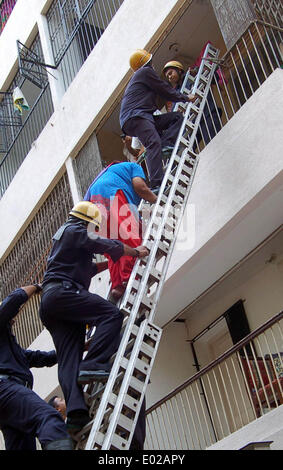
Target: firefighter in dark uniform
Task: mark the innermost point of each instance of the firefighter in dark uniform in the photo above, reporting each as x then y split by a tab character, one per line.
157	133
67	306
23	414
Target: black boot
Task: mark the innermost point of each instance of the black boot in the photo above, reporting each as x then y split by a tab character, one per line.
60	444
76	420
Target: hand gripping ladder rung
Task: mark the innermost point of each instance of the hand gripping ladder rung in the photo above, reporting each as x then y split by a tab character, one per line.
114	422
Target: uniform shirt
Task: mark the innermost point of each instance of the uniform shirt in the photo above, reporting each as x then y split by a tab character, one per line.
118	176
14	360
139	99
71	256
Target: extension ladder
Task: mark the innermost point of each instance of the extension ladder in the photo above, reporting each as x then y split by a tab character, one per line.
115	405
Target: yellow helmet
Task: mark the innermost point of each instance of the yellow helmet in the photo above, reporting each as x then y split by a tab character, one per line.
87	211
139	58
173	64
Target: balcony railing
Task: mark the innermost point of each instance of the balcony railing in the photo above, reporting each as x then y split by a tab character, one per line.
242	70
24	137
6	8
240	386
18	132
270	11
74	28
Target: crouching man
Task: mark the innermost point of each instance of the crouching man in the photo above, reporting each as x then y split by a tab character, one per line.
23	414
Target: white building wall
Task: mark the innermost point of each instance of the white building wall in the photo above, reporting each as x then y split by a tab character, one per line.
96	86
237	193
20	26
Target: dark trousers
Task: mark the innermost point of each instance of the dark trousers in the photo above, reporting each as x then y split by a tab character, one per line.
210	123
155	135
65	312
140	430
24	416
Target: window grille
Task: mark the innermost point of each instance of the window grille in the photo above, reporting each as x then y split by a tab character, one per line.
26	262
75	26
270	11
19	132
87	165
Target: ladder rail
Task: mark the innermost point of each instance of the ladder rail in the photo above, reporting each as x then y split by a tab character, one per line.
156	208
122	393
160	213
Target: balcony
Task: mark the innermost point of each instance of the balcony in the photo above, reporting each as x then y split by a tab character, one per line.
6	8
242	385
18	131
74	31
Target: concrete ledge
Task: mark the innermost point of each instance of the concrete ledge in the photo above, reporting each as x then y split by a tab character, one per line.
267	428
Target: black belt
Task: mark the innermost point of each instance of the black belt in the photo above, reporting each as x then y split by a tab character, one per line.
51	285
15	379
65	284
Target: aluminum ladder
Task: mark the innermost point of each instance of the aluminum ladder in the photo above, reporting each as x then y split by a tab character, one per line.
115	405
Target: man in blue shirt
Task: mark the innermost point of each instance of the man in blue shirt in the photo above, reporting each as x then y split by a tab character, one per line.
117	191
156	132
67	306
23	414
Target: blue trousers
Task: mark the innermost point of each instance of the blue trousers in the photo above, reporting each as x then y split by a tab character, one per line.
155	135
25	416
65	312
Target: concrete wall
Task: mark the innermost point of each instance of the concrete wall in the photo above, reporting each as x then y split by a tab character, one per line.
96	86
21	25
266	428
237	193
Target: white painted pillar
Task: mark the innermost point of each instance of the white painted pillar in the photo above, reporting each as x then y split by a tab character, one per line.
76	194
55	76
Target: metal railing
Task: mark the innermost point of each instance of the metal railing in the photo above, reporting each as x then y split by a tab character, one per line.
6	8
270	11
242	70
18	132
240	386
26	134
75	27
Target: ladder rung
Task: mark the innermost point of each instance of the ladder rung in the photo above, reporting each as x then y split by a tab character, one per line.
155	274
130	402
146	349
153	331
136	385
163	247
125	422
99	438
141	366
181	190
118	442
147	302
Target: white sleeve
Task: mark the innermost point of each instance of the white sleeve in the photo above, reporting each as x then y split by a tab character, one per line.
136	143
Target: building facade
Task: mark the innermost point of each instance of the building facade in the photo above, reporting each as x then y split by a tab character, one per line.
217	379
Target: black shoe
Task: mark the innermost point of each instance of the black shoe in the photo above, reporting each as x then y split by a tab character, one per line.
87	376
76	420
60	444
157	189
167	149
